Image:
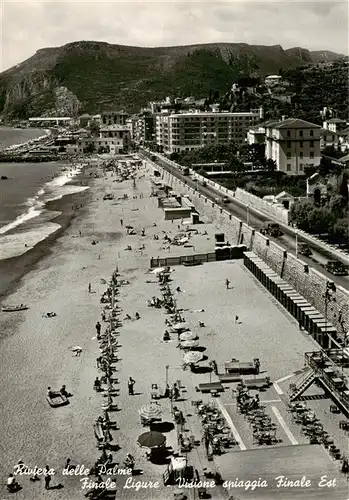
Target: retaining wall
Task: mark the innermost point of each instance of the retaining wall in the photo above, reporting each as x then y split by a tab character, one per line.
307	281
275	212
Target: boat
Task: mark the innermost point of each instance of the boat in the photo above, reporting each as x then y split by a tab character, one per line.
21	307
57	399
98	430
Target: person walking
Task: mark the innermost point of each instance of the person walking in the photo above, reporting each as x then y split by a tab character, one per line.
236	319
227	283
98	330
89	288
47	478
121	222
131	384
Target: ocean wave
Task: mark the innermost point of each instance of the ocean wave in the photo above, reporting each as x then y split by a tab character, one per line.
13	245
64	192
54	189
32	212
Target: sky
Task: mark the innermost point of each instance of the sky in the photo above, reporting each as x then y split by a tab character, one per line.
27	26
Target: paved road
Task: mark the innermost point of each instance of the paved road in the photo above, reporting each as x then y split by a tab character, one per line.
255	220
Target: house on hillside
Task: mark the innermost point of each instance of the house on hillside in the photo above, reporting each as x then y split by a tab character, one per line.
335	124
272	80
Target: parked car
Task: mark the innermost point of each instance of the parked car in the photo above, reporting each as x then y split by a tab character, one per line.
226	199
272	229
337	268
303	249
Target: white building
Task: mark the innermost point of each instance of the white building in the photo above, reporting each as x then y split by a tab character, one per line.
178	132
272	80
335	125
293	144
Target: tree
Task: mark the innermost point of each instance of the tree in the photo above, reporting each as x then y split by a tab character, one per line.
94	128
271	165
90	148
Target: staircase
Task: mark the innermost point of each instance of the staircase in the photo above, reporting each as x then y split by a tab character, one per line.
302	385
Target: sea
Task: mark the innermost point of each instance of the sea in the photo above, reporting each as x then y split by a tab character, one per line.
24	218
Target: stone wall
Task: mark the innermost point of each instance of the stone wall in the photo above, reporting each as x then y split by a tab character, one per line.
274	211
307	281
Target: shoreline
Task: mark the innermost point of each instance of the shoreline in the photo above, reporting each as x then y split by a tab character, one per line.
12	270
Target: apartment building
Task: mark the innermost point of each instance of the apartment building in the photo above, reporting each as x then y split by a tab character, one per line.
178	132
143	129
113	118
293	144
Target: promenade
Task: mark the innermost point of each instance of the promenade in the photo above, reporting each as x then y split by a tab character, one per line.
36	353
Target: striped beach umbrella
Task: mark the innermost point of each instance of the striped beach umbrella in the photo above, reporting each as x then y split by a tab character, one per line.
189	335
192	357
151	411
189	344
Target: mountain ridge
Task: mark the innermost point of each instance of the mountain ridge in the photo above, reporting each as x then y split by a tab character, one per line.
92	75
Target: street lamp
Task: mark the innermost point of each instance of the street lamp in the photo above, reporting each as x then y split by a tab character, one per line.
248	215
296	233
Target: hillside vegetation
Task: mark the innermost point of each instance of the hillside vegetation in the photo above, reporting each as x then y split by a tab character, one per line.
101	76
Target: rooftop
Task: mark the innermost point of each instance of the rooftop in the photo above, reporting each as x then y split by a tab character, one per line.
293	123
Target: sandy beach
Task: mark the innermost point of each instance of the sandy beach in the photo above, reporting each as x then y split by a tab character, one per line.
36	351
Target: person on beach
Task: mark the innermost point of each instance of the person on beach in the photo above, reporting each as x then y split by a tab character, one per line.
12	484
227	283
121	222
236	319
47	478
80	233
131	384
89	288
176	393
98	330
49	392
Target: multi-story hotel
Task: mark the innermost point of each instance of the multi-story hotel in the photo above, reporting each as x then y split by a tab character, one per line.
178	132
293	144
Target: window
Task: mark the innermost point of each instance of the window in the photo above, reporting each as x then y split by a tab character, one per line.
288	133
288	166
311	144
312	133
288	144
301	144
311	154
301	155
288	156
301	167
301	133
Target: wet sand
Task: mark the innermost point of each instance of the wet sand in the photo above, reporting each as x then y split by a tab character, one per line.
13	269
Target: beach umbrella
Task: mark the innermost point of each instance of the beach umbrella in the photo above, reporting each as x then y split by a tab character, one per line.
151	439
187	336
190	343
193	357
158	270
180	326
153	410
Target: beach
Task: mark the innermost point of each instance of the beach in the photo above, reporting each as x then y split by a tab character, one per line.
36	351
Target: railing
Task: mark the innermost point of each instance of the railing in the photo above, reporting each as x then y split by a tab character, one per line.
319	362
